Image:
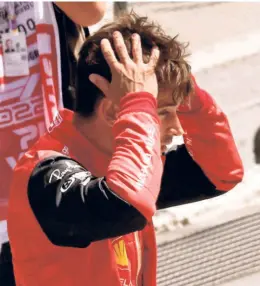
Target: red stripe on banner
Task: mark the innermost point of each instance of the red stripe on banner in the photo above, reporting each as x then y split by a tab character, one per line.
49	71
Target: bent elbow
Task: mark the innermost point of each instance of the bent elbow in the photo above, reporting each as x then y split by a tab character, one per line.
235	177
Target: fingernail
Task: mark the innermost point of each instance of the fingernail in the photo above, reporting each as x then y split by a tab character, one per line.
116	33
104	41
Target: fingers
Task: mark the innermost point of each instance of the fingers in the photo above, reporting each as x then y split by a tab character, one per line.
155	54
120	47
100	82
122	52
137	49
109	54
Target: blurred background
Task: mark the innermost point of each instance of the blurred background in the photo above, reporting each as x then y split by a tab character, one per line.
215	242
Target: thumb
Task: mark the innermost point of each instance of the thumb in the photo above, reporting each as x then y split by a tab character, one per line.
100	82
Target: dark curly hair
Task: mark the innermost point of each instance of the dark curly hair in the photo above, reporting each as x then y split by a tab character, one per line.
172	68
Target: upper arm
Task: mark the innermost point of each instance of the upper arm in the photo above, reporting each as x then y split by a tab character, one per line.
83	13
183	180
209	139
75	208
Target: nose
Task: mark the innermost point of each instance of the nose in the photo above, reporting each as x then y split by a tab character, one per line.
176	128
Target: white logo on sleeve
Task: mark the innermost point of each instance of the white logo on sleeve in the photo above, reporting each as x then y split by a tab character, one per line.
150	141
67	184
84	178
57	174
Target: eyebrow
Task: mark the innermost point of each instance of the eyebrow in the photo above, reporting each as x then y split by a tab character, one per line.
167	106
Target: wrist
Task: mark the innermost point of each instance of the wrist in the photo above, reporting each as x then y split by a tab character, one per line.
138	102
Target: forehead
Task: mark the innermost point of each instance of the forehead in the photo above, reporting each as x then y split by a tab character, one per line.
165	98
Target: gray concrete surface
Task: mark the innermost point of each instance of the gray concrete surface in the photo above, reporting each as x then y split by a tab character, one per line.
211	256
234	85
253	280
204	24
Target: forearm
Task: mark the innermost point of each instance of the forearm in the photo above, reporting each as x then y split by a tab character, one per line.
184	181
136	168
76	208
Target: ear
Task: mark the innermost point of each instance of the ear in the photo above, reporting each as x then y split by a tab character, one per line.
100	82
107	111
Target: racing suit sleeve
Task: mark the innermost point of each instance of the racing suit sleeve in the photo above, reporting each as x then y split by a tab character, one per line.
209	164
183	180
75	208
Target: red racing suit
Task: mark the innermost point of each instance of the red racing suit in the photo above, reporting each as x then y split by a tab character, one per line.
79	217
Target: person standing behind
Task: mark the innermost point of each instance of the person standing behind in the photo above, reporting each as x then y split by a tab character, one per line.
31	87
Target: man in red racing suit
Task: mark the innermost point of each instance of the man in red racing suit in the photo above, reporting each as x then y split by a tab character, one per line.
83	197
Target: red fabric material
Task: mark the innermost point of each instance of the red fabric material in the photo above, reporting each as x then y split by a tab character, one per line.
209	140
112	262
138	153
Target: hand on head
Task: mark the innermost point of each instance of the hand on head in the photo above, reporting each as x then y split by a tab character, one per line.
128	75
